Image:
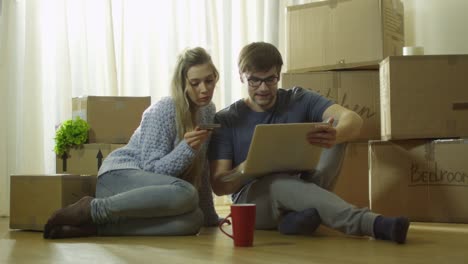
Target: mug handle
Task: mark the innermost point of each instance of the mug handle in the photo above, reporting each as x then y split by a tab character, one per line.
225	221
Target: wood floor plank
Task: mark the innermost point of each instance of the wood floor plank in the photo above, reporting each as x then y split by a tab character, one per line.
427	243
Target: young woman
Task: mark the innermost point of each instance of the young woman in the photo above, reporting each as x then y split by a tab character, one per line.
158	184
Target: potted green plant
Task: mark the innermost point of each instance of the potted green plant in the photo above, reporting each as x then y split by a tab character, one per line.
70	134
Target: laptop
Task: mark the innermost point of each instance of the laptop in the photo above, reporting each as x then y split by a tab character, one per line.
279	148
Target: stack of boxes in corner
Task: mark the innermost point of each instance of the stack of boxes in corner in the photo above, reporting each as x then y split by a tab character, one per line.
397	166
112	121
422	162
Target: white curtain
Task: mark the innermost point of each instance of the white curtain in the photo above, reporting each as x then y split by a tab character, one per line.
53	50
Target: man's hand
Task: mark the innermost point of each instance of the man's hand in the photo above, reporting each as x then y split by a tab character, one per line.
221	168
197	137
348	123
324	136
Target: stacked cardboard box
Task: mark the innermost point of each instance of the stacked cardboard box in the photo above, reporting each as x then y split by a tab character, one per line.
86	159
414	172
330	35
424	96
398	165
350	38
355	90
112	121
425	180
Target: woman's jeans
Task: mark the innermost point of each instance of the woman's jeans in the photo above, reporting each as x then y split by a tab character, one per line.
133	202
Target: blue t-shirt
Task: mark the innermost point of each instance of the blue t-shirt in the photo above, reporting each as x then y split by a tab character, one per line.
238	121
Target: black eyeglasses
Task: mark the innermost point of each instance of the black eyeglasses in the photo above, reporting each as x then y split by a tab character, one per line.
256	82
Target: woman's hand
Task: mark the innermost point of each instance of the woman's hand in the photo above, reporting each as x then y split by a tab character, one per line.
196	138
324	137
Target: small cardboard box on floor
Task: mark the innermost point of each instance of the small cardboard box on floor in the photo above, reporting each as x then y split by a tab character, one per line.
355	90
112	119
424	97
33	198
85	160
423	179
327	35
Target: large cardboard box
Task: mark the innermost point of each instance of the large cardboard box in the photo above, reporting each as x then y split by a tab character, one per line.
112	119
85	160
343	34
424	97
422	179
33	198
323	83
353	182
355	90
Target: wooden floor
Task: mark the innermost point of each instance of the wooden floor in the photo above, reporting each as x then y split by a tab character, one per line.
427	243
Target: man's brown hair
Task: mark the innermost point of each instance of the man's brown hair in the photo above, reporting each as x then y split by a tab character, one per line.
259	57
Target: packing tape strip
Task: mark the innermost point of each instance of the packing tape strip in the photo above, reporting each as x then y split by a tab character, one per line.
407	51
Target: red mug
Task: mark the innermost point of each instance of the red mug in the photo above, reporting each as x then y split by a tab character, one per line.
243	224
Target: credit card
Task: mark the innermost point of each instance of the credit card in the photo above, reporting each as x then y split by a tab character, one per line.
209	126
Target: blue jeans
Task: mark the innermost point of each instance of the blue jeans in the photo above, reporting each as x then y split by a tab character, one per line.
137	203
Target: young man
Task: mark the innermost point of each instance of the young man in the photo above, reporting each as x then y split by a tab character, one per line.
286	201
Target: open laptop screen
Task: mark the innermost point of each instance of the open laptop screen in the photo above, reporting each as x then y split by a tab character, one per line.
280	148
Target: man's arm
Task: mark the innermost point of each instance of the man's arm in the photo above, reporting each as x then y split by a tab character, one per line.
220	168
349	122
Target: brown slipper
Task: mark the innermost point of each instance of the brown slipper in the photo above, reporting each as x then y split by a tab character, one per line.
77	214
66	231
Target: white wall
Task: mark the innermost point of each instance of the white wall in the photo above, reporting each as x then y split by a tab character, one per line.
4	181
440	26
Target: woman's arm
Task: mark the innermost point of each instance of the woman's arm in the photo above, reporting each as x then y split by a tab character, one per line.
157	136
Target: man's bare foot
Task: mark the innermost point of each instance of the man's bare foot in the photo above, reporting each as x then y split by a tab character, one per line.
77	214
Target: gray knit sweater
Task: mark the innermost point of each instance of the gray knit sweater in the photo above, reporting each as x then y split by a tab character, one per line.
154	147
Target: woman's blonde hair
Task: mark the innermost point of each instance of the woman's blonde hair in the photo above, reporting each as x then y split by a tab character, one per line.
186	112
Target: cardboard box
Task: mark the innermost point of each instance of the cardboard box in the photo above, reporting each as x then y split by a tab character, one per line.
323	83
33	198
343	34
355	90
85	160
424	97
422	179
112	119
353	182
